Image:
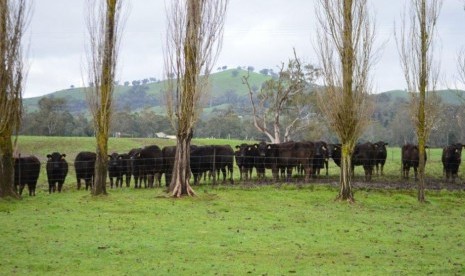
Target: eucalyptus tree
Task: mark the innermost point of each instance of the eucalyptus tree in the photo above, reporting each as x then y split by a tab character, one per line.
281	103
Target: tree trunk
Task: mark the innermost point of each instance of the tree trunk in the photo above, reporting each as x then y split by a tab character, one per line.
179	185
101	166
103	112
345	192
7	188
421	132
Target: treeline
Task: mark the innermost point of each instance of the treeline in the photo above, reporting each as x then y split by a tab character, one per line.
53	118
390	123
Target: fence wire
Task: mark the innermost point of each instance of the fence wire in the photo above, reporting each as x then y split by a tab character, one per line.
203	165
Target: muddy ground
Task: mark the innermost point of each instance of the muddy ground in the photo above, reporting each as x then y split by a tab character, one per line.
394	183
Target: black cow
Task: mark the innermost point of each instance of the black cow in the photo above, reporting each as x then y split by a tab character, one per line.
202	161
147	166
335	152
261	161
84	164
224	160
168	153
320	157
380	156
286	156
131	154
451	159
57	169
410	158
26	172
246	156
119	166
364	155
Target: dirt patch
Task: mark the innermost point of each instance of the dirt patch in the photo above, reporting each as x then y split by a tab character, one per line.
357	183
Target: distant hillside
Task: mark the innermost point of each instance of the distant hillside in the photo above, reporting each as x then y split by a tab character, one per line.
226	88
450	97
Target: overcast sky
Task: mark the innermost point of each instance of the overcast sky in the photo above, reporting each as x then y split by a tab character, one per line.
258	33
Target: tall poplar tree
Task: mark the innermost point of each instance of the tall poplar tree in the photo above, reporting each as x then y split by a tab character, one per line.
416	51
345	47
194	39
13	19
104	34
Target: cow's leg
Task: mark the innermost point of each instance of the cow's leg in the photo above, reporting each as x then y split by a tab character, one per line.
50	186
120	180
21	188
289	174
136	180
128	180
275	172
33	188
159	176
60	186
223	170
151	180
415	170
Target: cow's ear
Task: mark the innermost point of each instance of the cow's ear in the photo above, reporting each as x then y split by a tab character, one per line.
386	144
268	147
238	147
49	156
63	155
256	146
426	147
109	156
324	148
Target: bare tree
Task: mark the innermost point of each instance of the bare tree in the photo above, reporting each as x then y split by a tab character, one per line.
416	49
194	39
13	18
104	35
345	47
282	97
461	70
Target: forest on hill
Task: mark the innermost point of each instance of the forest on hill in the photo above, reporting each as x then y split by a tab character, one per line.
139	112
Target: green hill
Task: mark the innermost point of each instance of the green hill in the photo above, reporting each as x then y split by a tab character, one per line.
449	96
226	88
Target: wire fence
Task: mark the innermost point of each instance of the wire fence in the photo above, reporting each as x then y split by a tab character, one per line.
203	165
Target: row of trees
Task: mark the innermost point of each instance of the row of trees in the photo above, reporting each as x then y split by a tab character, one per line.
345	48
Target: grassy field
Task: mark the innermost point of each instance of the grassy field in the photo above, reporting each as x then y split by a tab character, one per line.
264	230
230	229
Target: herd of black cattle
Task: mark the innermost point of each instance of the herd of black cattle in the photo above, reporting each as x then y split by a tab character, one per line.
146	165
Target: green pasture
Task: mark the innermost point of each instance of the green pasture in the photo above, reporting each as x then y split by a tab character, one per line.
241	229
228	230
